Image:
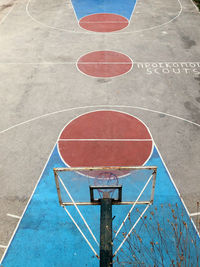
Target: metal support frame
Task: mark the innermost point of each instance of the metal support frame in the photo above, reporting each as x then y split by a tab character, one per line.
97	187
96	202
106	246
106	242
106	239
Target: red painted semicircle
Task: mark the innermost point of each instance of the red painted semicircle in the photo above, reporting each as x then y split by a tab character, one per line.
104	64
103	22
105	138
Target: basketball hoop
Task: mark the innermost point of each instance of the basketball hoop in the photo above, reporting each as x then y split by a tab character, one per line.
106	179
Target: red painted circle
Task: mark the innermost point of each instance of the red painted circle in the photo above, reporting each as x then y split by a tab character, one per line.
105	138
104	22
104	64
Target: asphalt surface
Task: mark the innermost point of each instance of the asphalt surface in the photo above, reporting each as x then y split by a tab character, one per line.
41	89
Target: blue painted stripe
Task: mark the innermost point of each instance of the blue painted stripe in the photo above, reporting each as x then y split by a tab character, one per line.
47	237
87	7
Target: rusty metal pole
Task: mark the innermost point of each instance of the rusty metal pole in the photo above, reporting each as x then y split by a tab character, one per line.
106	247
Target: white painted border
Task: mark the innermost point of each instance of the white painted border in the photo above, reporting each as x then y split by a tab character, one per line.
195	214
177	190
7	14
88	32
111	21
129	22
111	77
13	216
44	63
165	23
133	11
104	140
3	247
85	113
97	106
9	243
197	9
73	11
86	107
78	21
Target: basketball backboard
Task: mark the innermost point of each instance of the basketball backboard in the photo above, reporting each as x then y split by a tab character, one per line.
75	185
105	186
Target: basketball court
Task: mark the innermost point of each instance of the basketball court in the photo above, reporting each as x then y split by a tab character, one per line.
92	84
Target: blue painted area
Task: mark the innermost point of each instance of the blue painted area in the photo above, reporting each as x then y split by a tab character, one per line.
47	237
87	7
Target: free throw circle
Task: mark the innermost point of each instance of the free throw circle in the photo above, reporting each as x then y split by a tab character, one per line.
103	22
104	64
105	138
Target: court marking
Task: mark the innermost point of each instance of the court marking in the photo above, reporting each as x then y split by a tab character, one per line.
142	63
88	113
81	232
194	214
133	11
104	140
67	110
103	25
89	22
17	226
2	246
7	14
97	106
87	32
85	107
150	68
94	13
104	63
13	216
197	9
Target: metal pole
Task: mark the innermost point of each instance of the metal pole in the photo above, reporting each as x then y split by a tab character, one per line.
106	247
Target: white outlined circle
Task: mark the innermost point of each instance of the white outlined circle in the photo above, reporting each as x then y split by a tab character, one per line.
126	113
82	22
87	32
94	77
87	107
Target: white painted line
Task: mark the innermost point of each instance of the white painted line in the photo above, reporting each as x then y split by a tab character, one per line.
26	207
13	216
133	11
116	76
2	246
195	6
97	106
5	17
165	23
88	31
177	190
89	107
81	232
78	210
142	65
75	14
133	206
104	140
91	22
104	62
39	63
73	62
110	33
194	214
132	228
152	146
